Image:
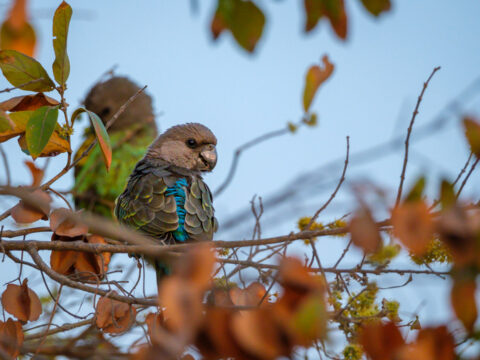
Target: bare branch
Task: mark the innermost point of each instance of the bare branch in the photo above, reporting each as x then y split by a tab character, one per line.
238	152
409	132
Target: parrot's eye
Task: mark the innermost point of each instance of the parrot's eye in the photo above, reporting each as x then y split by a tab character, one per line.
191	143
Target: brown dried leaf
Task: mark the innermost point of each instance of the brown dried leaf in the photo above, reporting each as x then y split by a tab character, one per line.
413	226
431	344
197	266
183	305
155	322
294	275
27	102
103	259
250	296
458	232
257	334
63	261
219	297
381	341
113	316
463	302
216	339
26	214
364	231
22	302
314	78
62	224
11	335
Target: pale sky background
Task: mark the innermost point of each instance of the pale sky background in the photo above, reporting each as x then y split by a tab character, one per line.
379	73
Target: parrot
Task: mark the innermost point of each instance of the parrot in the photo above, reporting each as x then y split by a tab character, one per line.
95	189
166	197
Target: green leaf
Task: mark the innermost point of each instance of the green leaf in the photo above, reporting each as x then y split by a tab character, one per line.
24	72
447	195
100	133
333	10
376	7
310	321
416	192
61	21
472	133
40	128
19	120
243	18
5	123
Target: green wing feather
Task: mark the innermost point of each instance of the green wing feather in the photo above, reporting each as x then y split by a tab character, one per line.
95	188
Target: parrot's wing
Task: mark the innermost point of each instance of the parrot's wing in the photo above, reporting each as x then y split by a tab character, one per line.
144	206
200	222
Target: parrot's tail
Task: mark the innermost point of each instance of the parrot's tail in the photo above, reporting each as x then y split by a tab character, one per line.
161	270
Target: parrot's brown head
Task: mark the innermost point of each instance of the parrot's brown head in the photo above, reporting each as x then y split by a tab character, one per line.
190	146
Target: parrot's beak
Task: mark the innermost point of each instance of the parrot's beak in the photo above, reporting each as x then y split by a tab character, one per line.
209	156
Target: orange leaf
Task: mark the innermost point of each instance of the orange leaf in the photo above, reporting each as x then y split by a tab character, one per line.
16	33
315	77
62	224
11	335
464	303
413	226
381	341
27	102
22	302
37	174
364	231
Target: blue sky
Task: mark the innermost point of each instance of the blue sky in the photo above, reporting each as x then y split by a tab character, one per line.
379	73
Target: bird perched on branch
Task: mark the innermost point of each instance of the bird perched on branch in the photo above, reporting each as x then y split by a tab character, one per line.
134	130
166	197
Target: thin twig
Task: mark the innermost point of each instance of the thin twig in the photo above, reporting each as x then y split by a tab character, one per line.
464	182
409	132
21	85
7	167
340	182
238	152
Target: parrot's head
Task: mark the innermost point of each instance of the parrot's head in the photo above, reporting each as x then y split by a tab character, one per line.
190	146
107	97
